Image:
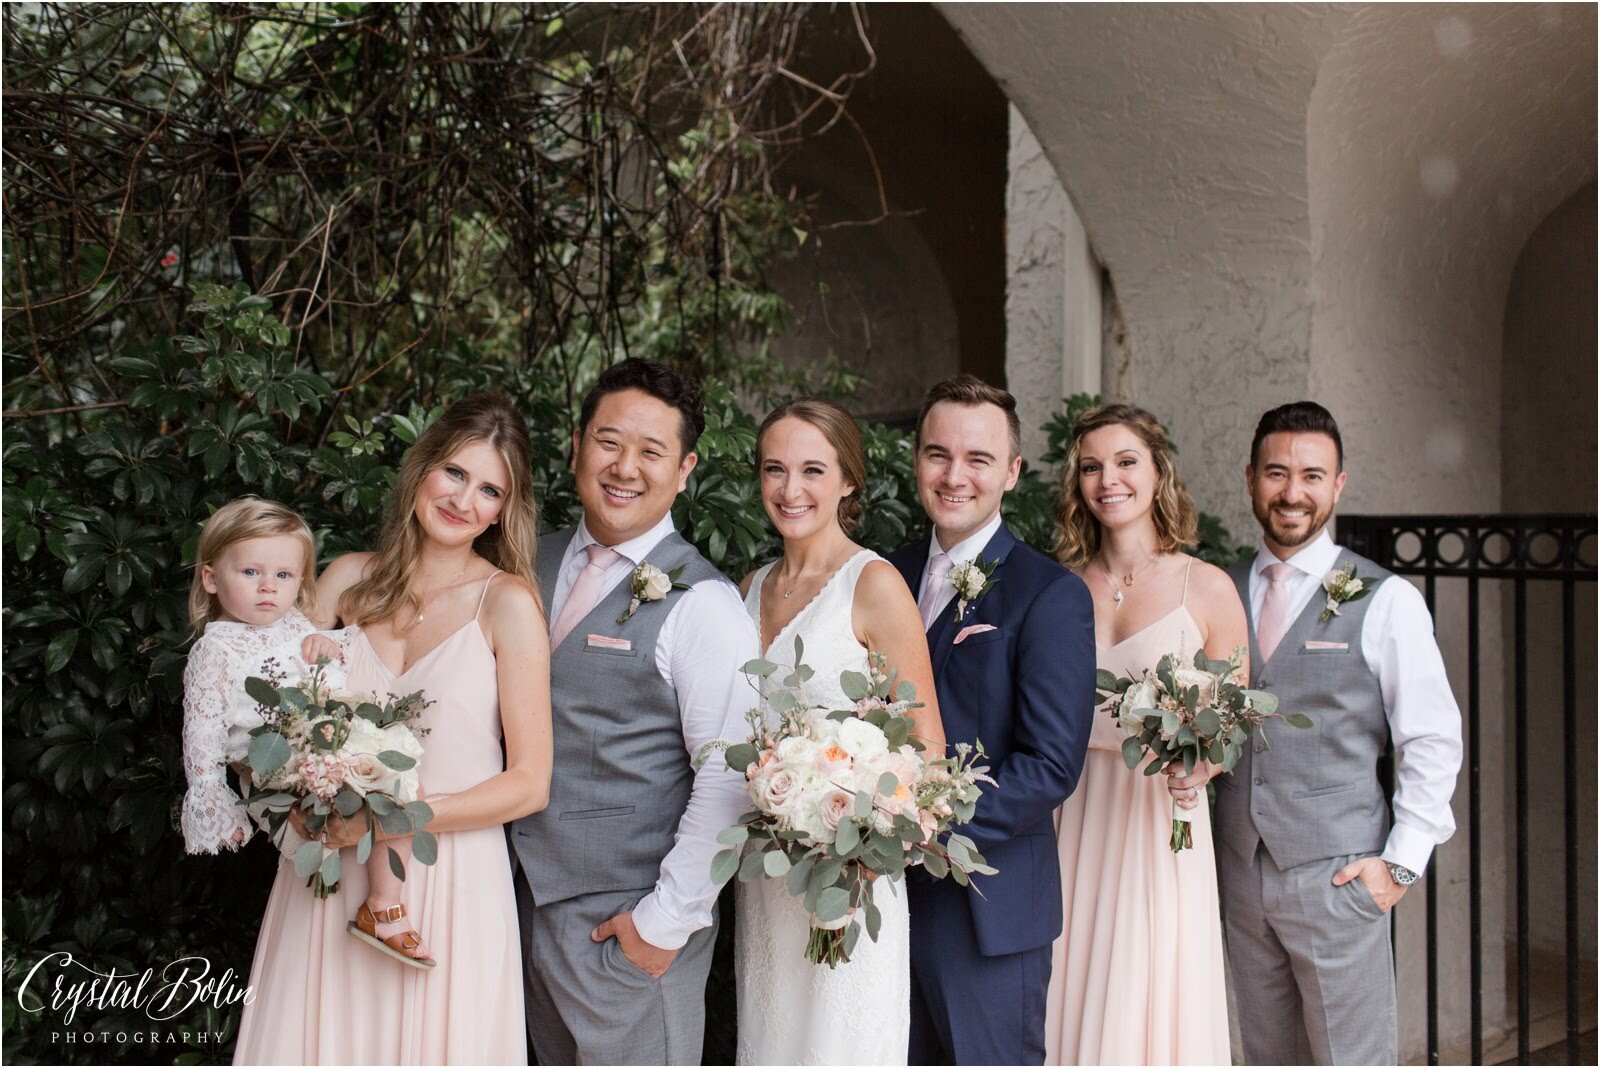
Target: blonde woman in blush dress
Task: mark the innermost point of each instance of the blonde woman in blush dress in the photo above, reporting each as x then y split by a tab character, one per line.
1137	976
446	606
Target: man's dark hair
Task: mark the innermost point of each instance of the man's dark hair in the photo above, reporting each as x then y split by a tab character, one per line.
660	382
1301	417
970	390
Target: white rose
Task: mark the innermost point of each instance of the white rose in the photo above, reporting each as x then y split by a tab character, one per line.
797	751
861	739
1187	677
656	583
1137	701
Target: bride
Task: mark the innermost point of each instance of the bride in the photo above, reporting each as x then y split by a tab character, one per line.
843	601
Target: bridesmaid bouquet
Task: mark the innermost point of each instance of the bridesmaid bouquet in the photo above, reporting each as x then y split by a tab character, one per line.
842	796
1189	714
325	752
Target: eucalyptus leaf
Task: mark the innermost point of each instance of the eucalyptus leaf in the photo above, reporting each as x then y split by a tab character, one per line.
425	847
332	867
364	847
832	904
1297	719
395	864
740	757
346	802
1132	752
847	838
800	874
776	863
723	865
267	753
855	685
735	835
261	691
397	760
753	867
307	859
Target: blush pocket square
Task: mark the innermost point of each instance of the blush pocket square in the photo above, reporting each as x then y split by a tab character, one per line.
600	641
1339	646
976	628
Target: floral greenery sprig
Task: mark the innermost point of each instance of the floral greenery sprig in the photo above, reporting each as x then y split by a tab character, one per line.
650	583
1342	586
971	581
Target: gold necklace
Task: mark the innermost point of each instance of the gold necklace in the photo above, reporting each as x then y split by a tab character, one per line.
1127	580
415	623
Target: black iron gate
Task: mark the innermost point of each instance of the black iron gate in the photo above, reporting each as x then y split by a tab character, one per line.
1519	549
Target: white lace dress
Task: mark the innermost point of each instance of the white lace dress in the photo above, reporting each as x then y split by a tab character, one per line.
790	1010
218	716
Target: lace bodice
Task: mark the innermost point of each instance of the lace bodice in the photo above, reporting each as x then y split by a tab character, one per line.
218	716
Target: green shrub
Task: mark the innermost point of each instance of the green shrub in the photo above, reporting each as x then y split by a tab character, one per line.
99	532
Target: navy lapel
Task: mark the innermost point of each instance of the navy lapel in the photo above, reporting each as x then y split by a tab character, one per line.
909	560
942	635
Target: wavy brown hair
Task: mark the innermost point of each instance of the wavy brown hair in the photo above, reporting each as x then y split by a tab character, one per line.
509	544
839	428
1176	518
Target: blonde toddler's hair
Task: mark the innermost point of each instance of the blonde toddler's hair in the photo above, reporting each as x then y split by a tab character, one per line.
245	518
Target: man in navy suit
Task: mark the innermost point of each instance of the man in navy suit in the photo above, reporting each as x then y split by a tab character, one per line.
1013	667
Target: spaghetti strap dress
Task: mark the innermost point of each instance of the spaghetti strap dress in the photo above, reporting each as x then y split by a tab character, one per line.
1137	974
321	996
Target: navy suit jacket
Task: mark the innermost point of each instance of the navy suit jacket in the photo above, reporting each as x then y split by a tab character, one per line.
1026	689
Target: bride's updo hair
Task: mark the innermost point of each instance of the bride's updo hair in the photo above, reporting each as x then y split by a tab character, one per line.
839	428
508	544
1174	513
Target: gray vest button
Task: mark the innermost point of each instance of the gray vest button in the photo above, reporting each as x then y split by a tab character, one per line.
1259	780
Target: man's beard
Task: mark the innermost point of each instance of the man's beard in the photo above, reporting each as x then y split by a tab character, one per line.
1287	538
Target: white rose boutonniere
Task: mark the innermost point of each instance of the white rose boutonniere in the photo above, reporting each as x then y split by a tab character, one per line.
1341	585
971	581
650	583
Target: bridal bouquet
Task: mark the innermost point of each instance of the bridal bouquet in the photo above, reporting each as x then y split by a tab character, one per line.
842	796
324	751
1188	714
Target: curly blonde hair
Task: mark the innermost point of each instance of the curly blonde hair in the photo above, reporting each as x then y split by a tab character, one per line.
509	544
1176	518
241	520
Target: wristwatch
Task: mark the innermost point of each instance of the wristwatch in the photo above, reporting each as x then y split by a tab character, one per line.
1402	876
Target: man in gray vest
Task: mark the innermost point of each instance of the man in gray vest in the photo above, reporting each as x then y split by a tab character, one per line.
614	887
1308	862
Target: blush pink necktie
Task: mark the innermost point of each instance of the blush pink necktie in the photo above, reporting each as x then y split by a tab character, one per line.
1274	621
585	593
933	586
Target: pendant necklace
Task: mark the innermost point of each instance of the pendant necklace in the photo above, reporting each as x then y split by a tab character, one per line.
415	623
1127	580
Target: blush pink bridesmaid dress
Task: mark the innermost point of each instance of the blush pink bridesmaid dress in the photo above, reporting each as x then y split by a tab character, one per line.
321	996
1137	974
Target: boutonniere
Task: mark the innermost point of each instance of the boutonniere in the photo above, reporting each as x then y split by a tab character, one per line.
650	583
971	581
1342	586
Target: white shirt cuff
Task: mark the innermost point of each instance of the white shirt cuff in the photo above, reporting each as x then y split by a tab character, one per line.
1408	847
656	927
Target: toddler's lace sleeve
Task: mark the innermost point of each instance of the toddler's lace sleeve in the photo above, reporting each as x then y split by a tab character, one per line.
212	812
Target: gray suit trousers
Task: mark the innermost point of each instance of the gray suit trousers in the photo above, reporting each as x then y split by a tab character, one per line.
588	1004
1312	963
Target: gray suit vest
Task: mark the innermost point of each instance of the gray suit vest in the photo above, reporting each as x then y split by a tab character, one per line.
622	776
1311	794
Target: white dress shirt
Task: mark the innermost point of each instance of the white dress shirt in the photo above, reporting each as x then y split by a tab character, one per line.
706	637
960	553
1424	721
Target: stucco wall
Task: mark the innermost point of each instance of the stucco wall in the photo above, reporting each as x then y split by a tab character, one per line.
1053	296
1548	454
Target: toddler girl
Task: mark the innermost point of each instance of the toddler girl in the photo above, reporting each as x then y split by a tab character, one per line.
252	591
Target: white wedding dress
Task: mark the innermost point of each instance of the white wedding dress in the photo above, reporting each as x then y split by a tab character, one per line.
790	1010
